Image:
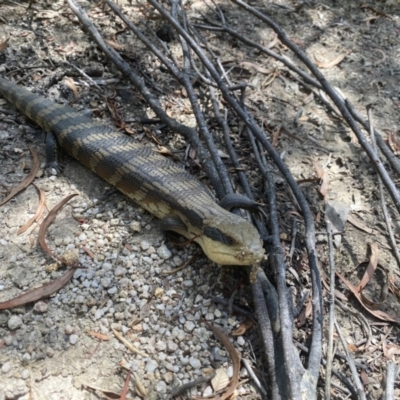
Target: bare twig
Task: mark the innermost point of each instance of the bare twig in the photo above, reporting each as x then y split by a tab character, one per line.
124	67
329	356
350	361
338	101
386	215
390	378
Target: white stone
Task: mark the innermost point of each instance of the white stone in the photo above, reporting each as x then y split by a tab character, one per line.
14	322
164	252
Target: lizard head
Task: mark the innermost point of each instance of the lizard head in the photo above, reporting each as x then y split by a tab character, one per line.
228	239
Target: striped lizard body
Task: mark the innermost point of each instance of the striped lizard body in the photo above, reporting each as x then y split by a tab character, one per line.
149	179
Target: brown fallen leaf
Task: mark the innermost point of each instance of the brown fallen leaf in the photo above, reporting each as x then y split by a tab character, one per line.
390	350
3	45
71	84
394	142
39	293
360	226
252	67
98	335
220	380
114	45
376	313
323	176
244	326
39	211
330	64
107	393
126	386
305	313
128	344
364	377
28	180
47	222
372	264
235	357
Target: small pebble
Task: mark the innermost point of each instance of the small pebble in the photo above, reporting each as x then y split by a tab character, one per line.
5	367
144	245
189	326
194	362
73	339
171	346
151	366
161	346
241	341
161	387
164	252
41	307
135	226
105	282
25	374
69	330
14	322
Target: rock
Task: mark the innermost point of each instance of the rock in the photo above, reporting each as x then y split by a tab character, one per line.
161	387
25	374
241	341
151	366
41	307
15	322
161	346
6	367
73	339
144	245
105	282
69	330
189	326
135	226
194	362
164	252
171	346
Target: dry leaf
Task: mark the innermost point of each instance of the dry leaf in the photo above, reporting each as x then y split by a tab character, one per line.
38	214
364	377
352	347
323	176
98	335
47	222
46	14
377	313
71	84
336	61
252	67
39	293
369	272
127	344
220	380
114	45
4	44
360	226
235	357
28	180
244	326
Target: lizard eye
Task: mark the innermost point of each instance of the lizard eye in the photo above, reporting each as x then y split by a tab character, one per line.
216	234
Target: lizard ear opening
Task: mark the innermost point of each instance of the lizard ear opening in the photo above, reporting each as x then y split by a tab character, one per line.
216	234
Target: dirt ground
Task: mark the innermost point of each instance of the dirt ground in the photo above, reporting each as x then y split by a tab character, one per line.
64	346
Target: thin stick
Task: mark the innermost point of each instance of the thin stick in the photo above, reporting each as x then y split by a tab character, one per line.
386	215
188	132
350	361
390	377
340	104
329	356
